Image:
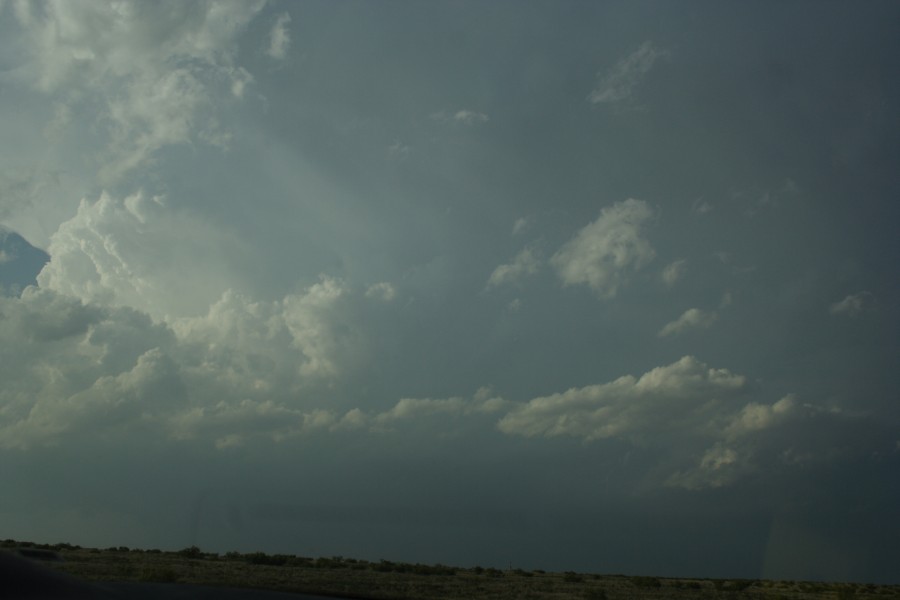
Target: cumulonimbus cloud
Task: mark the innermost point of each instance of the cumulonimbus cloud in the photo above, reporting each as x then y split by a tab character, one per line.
134	251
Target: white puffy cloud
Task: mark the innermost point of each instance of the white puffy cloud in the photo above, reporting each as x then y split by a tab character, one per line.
483	402
155	69
681	394
245	369
852	305
754	417
674	271
113	404
414	410
280	37
70	366
525	263
619	83
135	252
602	253
693	411
692	318
274	347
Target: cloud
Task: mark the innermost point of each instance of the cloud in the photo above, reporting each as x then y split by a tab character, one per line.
111	407
66	366
135	251
601	254
81	370
693	318
618	84
690	412
744	445
254	372
62	119
21	187
157	70
280	37
483	402
276	346
383	291
525	263
246	372
753	200
673	272
754	417
853	305
520	226
701	206
235	423
726	300
682	394
462	117
398	151
469	117
414	412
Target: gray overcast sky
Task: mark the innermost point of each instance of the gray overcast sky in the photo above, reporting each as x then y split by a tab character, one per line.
609	287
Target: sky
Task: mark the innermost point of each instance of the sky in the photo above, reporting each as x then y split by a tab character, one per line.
596	286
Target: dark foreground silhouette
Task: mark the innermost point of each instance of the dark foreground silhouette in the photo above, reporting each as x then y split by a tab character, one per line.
23	578
63	572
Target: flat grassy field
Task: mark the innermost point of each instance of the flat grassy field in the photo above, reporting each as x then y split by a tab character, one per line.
387	580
